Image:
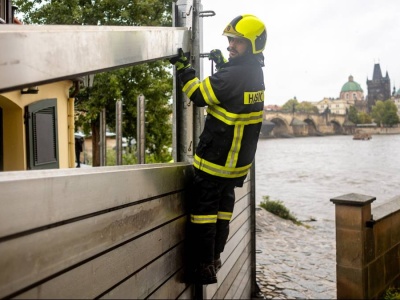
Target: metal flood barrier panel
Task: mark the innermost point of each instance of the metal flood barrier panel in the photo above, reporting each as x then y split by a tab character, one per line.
110	232
37	54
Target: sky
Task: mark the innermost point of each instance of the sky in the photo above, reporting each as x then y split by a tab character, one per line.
313	46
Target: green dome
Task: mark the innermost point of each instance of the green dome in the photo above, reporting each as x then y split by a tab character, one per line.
351	86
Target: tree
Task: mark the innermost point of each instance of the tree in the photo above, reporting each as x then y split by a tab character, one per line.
353	115
307	107
290	106
364	118
385	113
153	80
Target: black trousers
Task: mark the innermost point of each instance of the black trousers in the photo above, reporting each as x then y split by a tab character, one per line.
211	207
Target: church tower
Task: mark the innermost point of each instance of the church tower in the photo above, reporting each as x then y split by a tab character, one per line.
378	87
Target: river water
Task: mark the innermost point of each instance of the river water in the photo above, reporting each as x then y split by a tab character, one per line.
305	173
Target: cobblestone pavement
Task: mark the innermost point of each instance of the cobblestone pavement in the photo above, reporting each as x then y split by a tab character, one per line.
295	262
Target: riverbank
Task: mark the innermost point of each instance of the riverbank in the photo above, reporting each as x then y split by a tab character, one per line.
295	262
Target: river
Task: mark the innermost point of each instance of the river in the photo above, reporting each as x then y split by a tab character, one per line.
305	173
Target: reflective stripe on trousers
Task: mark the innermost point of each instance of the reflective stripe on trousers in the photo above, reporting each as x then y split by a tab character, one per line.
212	204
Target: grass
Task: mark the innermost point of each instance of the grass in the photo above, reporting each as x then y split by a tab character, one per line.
392	294
277	208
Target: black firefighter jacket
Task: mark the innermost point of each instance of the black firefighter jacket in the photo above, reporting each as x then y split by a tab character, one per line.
234	97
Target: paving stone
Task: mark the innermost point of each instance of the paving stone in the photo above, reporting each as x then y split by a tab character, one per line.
299	262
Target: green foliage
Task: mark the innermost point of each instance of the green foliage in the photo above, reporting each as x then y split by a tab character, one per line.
293	105
392	294
353	115
385	113
127	158
96	12
364	118
290	106
358	117
153	80
278	208
130	158
307	107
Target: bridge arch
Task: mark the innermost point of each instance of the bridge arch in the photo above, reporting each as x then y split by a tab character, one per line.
281	128
311	127
337	127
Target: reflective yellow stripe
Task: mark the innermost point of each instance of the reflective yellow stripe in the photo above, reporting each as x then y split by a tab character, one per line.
233	154
224	215
208	92
217	170
203	219
235	119
191	86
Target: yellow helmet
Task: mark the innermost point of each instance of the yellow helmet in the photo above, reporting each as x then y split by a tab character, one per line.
249	27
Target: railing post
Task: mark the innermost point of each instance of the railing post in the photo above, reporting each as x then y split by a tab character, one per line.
352	214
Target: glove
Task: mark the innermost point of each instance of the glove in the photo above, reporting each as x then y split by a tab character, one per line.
217	57
180	62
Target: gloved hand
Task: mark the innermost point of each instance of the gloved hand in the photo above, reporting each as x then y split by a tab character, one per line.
180	62
217	57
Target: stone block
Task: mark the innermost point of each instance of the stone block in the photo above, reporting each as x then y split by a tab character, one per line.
352	217
382	233
376	276
349	248
392	265
369	245
395	238
351	283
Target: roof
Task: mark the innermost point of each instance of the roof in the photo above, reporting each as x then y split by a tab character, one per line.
351	86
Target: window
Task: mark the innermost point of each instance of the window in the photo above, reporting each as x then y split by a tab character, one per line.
42	143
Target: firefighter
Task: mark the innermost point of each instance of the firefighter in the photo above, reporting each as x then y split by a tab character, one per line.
234	97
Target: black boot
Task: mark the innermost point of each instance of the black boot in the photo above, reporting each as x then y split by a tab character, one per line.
217	264
205	274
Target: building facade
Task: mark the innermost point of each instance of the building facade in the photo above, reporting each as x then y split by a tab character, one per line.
378	87
351	91
351	94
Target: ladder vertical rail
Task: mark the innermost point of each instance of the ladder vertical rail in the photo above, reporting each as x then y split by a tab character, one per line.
197	48
188	120
183	118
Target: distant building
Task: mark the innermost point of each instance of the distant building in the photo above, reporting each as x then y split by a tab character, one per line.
351	91
378	87
396	99
351	94
333	106
272	107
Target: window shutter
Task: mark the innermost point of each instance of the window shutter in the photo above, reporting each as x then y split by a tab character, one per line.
42	136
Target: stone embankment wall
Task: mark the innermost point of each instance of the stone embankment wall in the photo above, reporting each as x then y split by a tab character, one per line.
367	246
379	130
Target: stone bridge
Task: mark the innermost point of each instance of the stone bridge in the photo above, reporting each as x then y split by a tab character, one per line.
280	124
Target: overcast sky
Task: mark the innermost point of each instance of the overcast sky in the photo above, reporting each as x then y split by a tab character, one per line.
313	46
